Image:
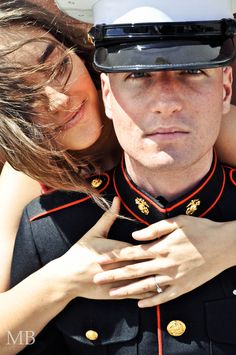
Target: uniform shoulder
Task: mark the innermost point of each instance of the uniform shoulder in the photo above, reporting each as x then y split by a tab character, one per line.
59	200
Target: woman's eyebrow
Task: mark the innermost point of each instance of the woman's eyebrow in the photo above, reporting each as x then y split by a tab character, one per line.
49	49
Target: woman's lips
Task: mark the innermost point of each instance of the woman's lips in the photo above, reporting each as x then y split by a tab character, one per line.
74	118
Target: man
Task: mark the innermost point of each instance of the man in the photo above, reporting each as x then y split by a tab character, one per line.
166	93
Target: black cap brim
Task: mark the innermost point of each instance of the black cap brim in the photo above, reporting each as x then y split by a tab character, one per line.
165	55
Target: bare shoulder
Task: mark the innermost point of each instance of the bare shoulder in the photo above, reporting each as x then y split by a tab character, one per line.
16	191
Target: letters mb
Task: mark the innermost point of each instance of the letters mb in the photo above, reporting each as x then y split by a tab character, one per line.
23	337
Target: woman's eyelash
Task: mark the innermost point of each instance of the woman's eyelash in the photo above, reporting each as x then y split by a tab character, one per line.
63	66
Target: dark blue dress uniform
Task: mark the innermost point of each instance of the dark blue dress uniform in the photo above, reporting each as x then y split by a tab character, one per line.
202	322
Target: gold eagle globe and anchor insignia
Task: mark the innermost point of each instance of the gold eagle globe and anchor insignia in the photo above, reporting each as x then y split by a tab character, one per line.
143	206
192	207
96	183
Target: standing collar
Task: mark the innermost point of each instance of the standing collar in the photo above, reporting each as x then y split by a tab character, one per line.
147	209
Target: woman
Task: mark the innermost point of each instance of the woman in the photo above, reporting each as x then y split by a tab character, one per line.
52	124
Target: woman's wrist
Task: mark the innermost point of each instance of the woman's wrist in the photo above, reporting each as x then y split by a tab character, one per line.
60	281
227	231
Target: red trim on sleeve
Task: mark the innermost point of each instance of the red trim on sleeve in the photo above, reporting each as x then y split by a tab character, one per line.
59	208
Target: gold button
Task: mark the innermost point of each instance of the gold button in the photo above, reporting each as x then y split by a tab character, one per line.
96	182
91	335
176	328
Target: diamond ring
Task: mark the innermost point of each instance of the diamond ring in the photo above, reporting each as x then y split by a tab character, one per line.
158	288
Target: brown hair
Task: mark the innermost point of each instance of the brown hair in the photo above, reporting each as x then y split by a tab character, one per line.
28	146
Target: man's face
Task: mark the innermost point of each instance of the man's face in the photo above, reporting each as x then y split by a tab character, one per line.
168	119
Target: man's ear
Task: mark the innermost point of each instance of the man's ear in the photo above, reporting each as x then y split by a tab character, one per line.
227	88
106	94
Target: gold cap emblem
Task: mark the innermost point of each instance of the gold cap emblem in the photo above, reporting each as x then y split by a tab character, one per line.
143	206
91	335
192	207
176	328
96	182
90	39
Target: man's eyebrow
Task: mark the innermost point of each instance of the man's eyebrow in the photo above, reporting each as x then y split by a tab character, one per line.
49	49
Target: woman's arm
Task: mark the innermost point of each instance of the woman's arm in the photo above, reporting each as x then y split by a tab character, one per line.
27	308
226	143
16	191
31	304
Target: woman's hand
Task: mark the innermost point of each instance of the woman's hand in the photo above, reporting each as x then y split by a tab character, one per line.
77	267
192	251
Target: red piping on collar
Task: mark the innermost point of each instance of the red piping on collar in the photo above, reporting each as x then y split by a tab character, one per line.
164	210
123	202
218	197
71	203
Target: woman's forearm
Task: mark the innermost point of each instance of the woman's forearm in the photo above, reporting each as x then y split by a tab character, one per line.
28	307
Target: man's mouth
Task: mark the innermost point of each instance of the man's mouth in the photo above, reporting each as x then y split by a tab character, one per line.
167	132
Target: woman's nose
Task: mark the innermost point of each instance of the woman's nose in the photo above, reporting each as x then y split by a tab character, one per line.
57	99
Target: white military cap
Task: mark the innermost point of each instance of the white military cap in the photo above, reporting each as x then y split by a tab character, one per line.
150	35
136	11
109	11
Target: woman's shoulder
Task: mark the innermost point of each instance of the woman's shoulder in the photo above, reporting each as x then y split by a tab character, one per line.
16	191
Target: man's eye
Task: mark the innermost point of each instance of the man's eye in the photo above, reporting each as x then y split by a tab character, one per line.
193	71
138	75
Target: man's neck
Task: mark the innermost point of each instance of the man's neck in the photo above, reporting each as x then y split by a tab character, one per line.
169	183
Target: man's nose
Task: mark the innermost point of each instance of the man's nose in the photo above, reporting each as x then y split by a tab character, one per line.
57	99
167	98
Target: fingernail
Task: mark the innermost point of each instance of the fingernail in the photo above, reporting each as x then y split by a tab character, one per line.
114	293
98	278
137	234
101	259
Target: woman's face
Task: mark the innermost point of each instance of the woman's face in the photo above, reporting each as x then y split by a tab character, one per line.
73	102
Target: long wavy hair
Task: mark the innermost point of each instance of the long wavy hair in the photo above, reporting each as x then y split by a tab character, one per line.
27	145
